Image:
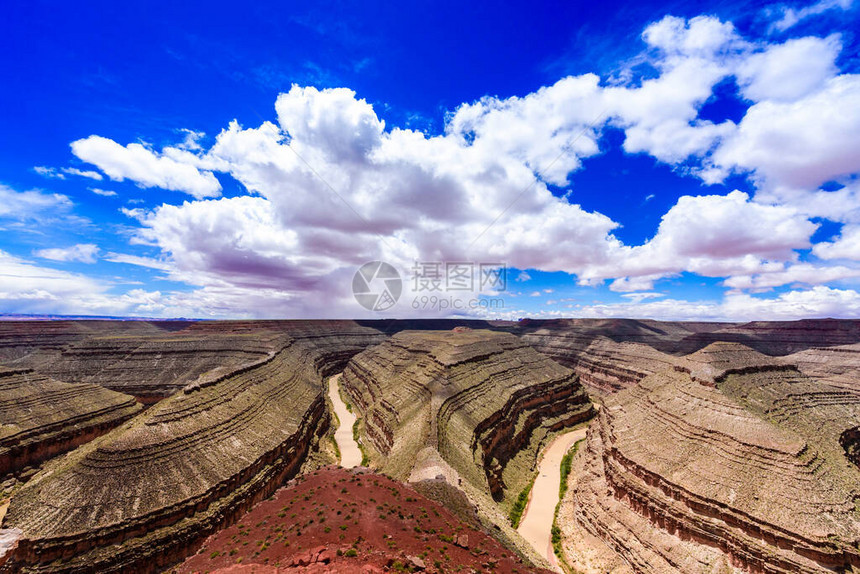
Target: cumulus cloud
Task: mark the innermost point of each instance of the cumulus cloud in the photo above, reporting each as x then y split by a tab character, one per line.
711	235
789	71
801	143
331	186
83	252
145	167
846	246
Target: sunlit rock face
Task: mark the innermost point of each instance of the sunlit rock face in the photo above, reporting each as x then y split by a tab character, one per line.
142	496
729	460
484	401
41	418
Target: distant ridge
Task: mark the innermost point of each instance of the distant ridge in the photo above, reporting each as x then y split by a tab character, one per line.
36	317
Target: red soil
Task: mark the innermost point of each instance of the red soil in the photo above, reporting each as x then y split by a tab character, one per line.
338	520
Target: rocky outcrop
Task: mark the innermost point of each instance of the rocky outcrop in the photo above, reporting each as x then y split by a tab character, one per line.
485	401
323	522
728	461
41	418
144	495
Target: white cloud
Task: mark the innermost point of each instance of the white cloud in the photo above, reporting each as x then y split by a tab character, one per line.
638	297
641	283
83	173
192	140
802	143
103	192
83	252
791	16
711	235
27	288
846	246
818	302
29	204
50	172
790	71
145	167
803	273
138	260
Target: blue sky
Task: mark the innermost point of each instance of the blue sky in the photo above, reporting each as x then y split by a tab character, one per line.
677	160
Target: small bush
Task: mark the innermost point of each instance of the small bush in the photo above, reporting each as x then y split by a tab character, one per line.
519	506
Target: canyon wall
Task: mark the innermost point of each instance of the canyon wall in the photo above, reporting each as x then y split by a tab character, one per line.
484	401
41	418
144	495
728	461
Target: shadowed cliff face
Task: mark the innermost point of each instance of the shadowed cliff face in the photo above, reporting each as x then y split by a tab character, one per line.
143	495
850	441
730	458
485	401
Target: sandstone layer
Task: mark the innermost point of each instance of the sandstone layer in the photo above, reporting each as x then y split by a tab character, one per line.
142	496
612	354
41	417
154	360
728	461
484	401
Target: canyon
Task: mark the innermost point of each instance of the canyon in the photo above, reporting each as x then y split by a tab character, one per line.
709	447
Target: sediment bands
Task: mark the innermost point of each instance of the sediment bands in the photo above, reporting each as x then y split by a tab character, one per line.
480	398
42	417
696	463
142	496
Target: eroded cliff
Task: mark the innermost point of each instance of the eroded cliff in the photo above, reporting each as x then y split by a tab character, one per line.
484	401
41	418
728	461
145	494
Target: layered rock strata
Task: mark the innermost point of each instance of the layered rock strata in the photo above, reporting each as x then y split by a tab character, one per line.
142	496
20	339
153	368
41	417
729	461
154	360
484	401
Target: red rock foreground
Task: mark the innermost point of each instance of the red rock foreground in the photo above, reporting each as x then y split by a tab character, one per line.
337	520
